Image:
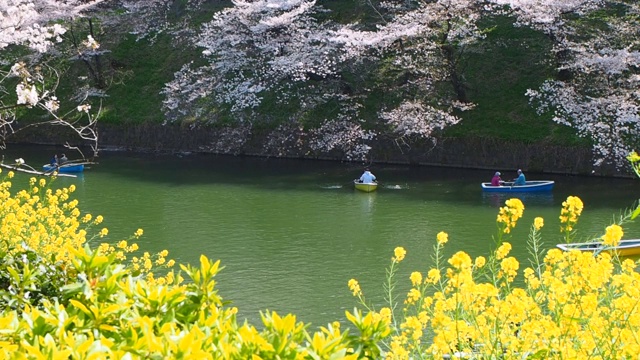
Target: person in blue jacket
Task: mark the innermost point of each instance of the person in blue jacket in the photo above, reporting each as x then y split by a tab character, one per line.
520	180
367	176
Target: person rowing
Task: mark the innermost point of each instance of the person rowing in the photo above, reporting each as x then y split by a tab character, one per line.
520	180
367	177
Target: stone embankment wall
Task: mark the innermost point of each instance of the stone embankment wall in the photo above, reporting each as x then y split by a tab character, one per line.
478	153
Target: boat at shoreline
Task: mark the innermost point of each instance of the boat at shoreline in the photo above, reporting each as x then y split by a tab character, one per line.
627	247
529	186
66	168
366	187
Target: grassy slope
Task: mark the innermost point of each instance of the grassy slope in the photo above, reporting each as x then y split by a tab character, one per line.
510	61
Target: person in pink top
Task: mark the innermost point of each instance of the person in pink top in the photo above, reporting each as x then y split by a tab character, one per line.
496	180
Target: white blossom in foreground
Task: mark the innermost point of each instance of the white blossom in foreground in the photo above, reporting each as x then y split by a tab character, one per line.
27	94
36	25
29	22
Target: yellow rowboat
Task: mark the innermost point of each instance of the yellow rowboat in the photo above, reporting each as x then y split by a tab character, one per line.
366	187
628	247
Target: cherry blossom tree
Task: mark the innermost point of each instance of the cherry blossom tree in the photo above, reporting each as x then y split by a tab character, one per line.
426	44
549	16
263	54
148	18
601	100
277	52
253	48
34	25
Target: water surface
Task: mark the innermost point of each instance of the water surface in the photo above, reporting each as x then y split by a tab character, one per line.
291	233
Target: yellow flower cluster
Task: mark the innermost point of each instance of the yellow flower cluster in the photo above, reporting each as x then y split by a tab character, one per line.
442	238
538	223
42	220
509	214
399	253
354	286
144	265
571	211
613	235
573	305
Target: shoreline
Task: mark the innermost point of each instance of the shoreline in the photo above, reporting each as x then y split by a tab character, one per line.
465	153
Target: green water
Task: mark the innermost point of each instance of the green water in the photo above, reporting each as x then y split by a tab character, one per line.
291	233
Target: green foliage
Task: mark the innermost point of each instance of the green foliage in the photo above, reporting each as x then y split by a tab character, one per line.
149	66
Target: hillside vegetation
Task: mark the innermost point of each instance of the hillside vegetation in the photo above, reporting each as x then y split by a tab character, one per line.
347	80
497	72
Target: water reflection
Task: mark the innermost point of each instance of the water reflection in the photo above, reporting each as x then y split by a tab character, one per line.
367	201
528	199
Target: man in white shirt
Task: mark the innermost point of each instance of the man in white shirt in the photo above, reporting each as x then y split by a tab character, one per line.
367	177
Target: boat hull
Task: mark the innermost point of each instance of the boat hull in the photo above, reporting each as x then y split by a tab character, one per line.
366	187
628	247
64	168
530	186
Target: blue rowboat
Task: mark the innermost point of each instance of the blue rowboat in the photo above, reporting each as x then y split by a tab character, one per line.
69	168
628	247
529	186
366	187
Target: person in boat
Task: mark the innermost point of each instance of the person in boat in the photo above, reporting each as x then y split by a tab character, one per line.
520	180
367	177
496	180
63	159
54	160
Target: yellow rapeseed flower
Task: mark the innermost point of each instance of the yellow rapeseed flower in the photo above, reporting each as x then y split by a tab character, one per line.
442	237
538	223
503	250
509	267
413	296
433	276
480	261
416	278
385	313
354	286
509	214
571	211
460	260
613	235
399	253
138	233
